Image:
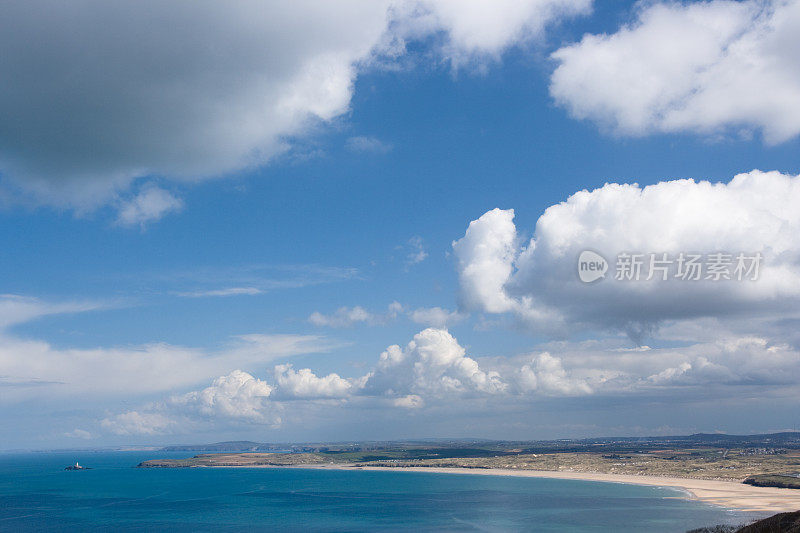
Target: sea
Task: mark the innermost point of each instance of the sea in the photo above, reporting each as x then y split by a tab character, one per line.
37	494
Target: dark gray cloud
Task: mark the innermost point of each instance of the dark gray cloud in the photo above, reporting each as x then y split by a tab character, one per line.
98	93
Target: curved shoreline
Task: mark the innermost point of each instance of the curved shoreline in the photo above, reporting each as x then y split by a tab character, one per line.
732	495
729	494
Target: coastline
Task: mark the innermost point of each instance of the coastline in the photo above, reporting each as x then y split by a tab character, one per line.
731	495
728	494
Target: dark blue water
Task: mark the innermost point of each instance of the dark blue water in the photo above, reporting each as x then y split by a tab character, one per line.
36	494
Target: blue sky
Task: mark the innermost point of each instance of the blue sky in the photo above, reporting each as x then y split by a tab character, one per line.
357	205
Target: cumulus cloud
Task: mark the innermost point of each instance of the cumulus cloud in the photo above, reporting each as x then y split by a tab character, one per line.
431	364
237	396
485	258
197	89
719	367
546	374
723	368
433	368
702	67
752	214
737	360
149	205
412	401
304	383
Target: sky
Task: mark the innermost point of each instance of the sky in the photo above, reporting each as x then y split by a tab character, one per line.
366	220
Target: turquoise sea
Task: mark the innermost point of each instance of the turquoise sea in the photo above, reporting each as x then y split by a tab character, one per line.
36	494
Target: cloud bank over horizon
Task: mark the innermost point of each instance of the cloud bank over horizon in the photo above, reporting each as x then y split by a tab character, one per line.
433	372
708	359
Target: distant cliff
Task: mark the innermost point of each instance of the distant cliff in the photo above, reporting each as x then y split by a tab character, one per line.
768	480
780	523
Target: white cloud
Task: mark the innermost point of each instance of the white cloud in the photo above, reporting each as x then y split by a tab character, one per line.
268	347
703	67
17	309
670	374
412	401
364	144
485	258
545	373
434	369
304	383
346	317
721	367
190	90
78	433
754	213
136	423
739	360
149	205
235	397
394	309
350	316
343	317
38	369
474	30
248	279
230	291
432	364
417	253
136	370
435	316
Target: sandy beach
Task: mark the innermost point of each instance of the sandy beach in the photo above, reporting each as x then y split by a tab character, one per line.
728	494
